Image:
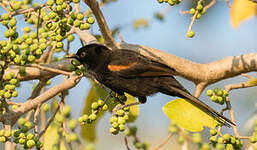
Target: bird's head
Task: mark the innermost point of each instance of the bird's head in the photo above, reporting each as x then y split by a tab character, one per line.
92	54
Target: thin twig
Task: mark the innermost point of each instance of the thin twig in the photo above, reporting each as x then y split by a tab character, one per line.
22	11
118	107
38	21
68	47
2	5
51	52
62	104
42	117
126	142
50	69
210	5
34	94
121	38
163	143
182	12
37	89
49	122
13	103
106	32
228	88
35	121
28	115
81	42
42	122
192	22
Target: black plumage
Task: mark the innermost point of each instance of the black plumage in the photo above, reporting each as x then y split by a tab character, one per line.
127	71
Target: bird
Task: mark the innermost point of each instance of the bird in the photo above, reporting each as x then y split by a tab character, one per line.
124	70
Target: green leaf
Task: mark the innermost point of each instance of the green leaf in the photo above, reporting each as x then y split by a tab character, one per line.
88	131
52	137
188	115
134	110
54	105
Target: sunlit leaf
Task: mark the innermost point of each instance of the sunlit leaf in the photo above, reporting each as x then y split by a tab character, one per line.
134	110
241	10
54	105
188	115
52	137
253	81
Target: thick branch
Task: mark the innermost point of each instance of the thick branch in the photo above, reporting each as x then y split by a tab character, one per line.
29	105
85	36
34	73
201	73
107	34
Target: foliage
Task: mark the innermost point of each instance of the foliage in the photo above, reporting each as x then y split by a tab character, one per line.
181	110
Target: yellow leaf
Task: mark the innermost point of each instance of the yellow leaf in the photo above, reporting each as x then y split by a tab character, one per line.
188	115
241	10
54	105
52	138
133	110
253	81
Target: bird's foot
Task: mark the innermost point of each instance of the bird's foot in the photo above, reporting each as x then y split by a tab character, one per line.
118	107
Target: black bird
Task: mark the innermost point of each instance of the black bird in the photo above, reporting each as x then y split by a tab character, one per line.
128	71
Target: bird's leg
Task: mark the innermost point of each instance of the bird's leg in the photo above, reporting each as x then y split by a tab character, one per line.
120	96
141	100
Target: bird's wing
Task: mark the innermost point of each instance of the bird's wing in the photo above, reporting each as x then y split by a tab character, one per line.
129	64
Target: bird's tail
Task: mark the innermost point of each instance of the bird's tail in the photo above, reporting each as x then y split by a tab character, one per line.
220	118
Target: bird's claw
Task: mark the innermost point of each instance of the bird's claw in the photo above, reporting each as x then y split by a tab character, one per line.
118	107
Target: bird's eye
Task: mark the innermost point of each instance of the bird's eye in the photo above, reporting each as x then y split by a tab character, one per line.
83	54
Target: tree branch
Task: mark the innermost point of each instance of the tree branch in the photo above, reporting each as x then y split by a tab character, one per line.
85	35
34	73
163	143
200	73
107	34
29	105
229	106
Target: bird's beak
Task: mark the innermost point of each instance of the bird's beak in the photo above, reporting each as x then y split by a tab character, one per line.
74	56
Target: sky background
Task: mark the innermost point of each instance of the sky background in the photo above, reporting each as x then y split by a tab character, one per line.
215	39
